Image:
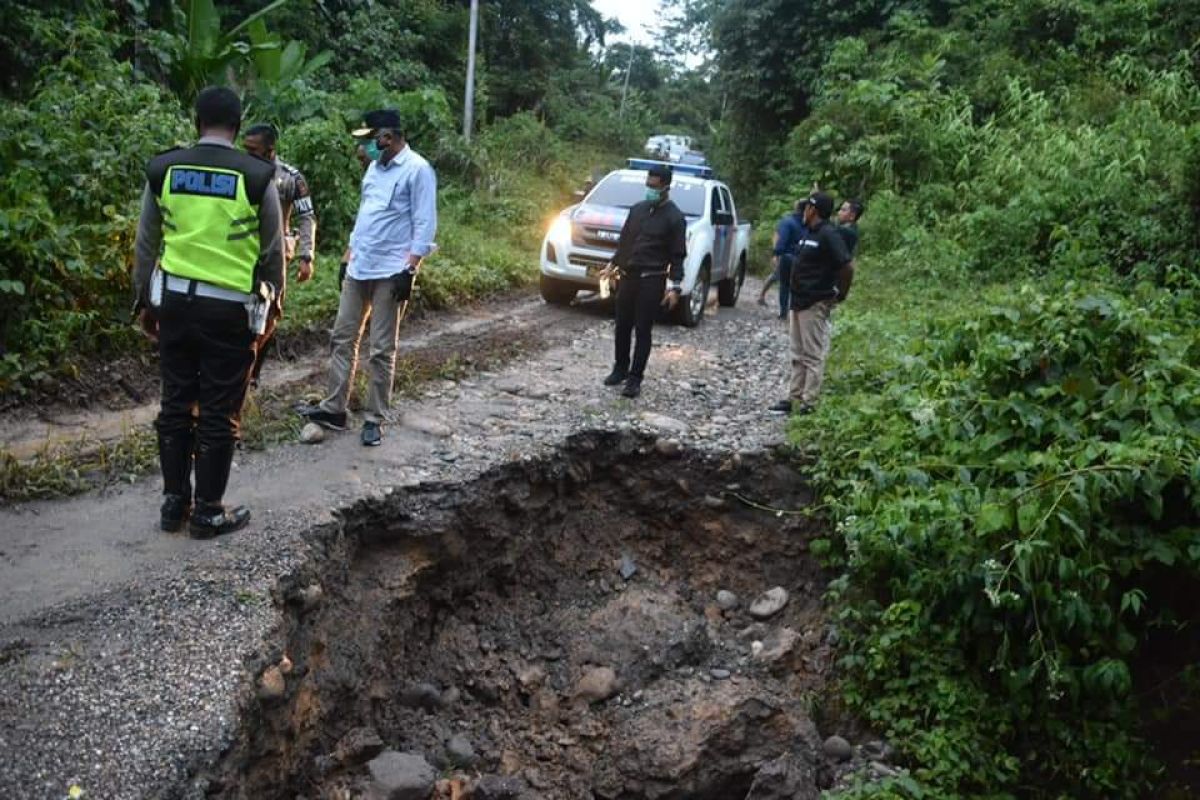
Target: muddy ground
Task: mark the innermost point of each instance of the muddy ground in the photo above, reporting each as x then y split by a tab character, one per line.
581	626
131	661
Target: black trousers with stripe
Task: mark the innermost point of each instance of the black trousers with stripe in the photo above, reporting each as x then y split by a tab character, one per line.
206	351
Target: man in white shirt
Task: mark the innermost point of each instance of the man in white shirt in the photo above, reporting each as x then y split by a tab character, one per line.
393	233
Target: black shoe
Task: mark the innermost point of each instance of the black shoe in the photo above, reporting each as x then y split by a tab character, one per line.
782	407
372	435
326	419
633	387
805	408
617	376
175	509
213	522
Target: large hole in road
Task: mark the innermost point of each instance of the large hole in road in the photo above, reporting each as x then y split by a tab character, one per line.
557	628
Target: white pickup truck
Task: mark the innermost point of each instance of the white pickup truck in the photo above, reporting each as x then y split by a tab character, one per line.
583	238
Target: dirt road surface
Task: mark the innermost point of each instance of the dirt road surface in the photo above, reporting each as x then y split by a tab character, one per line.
124	651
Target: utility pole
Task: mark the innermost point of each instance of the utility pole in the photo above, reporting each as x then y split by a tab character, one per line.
469	101
625	88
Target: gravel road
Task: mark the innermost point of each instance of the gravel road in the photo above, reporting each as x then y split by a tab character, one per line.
125	652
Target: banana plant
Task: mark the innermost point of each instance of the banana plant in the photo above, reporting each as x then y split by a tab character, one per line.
205	54
275	80
275	63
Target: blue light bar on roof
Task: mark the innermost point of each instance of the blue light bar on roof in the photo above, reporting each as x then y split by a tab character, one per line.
698	170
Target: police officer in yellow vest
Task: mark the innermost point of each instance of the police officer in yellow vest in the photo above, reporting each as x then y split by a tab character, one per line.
211	220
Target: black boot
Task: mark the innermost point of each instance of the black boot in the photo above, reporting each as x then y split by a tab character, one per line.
617	376
175	458
175	509
210	521
212	476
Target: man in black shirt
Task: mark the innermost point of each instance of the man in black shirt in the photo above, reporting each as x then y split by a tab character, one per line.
822	272
652	248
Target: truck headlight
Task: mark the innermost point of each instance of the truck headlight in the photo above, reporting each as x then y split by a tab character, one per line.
560	230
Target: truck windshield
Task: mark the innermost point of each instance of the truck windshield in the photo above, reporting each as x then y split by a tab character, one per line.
623	191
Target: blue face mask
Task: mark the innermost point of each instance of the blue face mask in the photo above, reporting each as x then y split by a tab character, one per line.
371	148
653	195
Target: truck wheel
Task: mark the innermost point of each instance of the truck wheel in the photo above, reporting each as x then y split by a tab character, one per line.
556	292
691	307
730	289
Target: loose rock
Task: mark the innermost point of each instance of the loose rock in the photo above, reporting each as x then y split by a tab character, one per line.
421	695
668	448
358	746
878	751
402	776
769	603
727	600
271	685
597	684
663	422
838	749
311	596
495	787
460	752
312	433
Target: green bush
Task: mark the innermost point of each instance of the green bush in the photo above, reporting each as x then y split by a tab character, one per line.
1010	452
70	191
1014	491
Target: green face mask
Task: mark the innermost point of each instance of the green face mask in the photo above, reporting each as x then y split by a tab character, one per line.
654	195
371	149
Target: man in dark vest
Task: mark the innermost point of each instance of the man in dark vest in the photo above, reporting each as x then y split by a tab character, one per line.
211	220
822	271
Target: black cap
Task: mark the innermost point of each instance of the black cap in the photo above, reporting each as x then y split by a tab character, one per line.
380	118
662	171
822	203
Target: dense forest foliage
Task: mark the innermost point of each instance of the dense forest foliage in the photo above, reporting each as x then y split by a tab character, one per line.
1009	453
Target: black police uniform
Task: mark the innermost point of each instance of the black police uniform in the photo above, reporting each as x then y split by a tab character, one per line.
213	212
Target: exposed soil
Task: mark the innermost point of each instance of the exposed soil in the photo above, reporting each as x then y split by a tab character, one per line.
489	610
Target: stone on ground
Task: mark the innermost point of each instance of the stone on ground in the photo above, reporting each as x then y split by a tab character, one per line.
769	603
402	776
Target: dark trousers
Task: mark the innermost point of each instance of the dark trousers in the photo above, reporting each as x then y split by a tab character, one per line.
785	285
205	352
638	303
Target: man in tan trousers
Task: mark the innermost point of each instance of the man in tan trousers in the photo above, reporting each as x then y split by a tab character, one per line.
822	271
393	233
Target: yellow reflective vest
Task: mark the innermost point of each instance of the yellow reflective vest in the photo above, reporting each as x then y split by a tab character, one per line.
209	196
